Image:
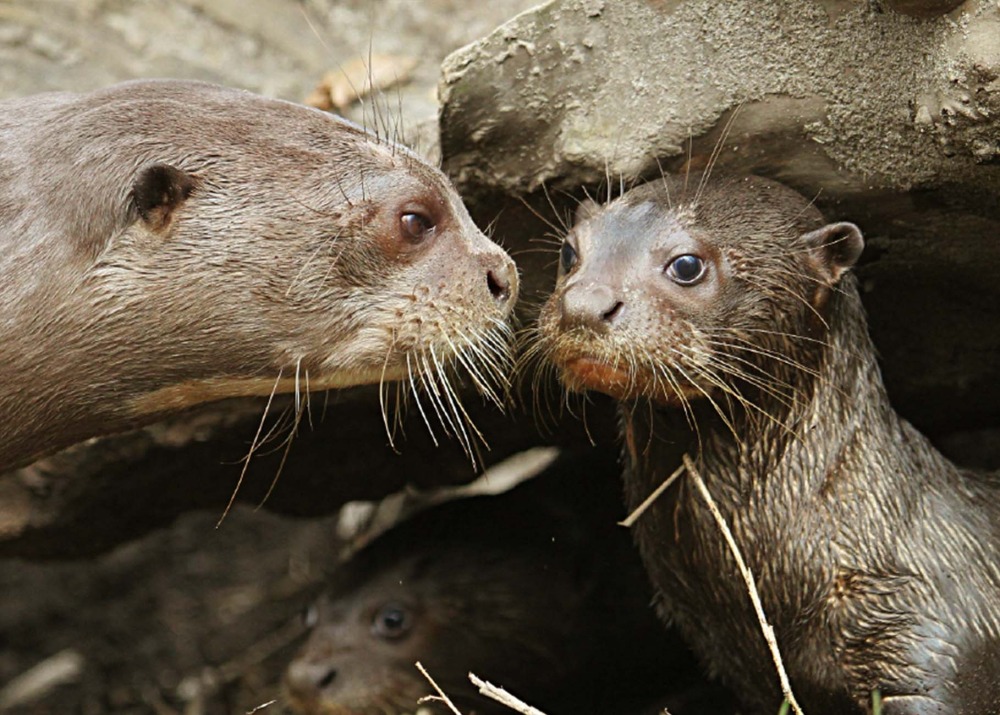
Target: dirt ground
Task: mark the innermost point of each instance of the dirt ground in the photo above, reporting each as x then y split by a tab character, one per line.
193	619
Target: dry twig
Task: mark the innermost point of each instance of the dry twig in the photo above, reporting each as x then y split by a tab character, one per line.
502	696
63	668
748	578
647	502
440	697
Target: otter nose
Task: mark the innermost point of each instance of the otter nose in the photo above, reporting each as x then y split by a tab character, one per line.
306	679
594	306
502	281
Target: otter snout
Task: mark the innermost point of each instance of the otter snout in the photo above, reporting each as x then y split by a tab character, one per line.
499	286
305	680
501	279
594	305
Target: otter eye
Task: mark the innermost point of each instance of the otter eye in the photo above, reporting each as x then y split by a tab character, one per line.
310	616
416	227
686	270
567	257
391	622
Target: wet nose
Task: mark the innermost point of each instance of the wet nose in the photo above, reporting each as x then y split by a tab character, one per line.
306	679
594	306
502	281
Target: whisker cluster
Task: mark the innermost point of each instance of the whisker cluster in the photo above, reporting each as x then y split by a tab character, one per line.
432	378
747	378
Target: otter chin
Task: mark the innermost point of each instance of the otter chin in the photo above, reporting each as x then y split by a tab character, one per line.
873	554
591	374
588	373
166	243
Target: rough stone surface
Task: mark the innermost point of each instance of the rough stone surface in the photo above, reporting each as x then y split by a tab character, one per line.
581	88
279	48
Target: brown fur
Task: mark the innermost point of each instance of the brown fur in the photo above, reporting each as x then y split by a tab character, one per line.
536	590
165	243
876	558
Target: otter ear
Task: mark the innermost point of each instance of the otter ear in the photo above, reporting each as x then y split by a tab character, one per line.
158	191
836	248
585	210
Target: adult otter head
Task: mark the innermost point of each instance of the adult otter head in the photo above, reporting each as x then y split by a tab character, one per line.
168	243
678	295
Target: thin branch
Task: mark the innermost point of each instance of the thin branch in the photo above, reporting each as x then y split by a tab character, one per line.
502	696
748	578
440	697
648	501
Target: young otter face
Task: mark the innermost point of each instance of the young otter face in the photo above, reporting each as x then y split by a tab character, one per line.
673	295
360	656
453	609
535	590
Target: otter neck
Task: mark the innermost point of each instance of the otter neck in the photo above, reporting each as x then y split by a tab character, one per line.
71	376
798	435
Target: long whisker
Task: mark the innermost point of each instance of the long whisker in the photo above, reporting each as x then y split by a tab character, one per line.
455	409
425	374
383	401
416	397
308	398
253	448
288	448
766	380
716	153
726	419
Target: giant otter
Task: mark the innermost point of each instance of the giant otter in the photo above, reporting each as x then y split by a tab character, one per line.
536	590
722	315
167	243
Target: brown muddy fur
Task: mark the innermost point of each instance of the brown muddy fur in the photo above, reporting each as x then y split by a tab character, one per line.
167	243
875	557
536	590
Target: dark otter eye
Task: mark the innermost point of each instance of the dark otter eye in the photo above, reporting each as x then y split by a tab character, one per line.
686	270
392	621
567	257
416	227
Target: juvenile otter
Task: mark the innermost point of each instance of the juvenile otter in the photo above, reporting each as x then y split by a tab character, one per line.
725	322
167	243
536	590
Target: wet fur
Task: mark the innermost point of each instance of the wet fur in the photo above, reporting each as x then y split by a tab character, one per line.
167	243
875	557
